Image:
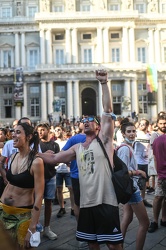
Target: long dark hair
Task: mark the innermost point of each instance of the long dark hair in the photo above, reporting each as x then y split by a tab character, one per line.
34	141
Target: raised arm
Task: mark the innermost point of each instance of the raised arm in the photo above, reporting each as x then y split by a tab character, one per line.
107	122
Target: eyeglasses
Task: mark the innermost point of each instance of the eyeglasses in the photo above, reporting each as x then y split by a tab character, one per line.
89	119
131	131
57	130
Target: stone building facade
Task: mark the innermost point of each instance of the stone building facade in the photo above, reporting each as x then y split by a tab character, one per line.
57	45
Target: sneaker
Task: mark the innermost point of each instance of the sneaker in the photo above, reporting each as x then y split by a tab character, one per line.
61	212
72	212
153	227
83	245
150	191
163	223
147	204
49	234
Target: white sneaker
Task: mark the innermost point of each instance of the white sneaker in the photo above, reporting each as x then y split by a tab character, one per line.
49	234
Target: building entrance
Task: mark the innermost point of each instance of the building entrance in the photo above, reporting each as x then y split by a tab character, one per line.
88	102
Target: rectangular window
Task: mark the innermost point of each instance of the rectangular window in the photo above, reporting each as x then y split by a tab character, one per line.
85	7
164	8
87	55
116	87
113	7
59	56
6	12
115	55
31	11
33	57
8	90
59	36
7	102
34	90
143	104
87	36
142	86
58	8
141	55
34	102
7	59
140	7
116	99
115	35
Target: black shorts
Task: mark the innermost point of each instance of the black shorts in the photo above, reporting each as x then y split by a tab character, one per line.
99	224
144	167
76	190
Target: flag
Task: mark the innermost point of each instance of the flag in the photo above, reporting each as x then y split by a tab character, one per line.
151	78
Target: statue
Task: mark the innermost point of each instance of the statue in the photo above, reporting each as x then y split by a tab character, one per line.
70	5
152	5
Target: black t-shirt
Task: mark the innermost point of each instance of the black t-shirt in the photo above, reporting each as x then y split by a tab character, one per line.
49	170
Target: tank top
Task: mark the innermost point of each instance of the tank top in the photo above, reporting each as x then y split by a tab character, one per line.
22	180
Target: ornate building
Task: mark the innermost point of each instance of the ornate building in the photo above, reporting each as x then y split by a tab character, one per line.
57	45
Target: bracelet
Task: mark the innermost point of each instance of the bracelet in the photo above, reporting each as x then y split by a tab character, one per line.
137	172
104	82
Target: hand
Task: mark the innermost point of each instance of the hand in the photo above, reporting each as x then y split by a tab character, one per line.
142	173
101	76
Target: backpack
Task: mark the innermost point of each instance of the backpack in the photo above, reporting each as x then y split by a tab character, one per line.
121	180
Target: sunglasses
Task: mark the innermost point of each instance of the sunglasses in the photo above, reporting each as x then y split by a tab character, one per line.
131	131
57	130
89	119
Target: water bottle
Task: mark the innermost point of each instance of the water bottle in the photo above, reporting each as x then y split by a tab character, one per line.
39	228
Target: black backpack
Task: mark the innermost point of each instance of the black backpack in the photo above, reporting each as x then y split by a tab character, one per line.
122	182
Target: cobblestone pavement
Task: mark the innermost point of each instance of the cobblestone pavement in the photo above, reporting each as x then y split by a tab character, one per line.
65	228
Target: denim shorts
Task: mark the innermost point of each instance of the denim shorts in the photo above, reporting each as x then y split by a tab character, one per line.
60	177
50	188
135	198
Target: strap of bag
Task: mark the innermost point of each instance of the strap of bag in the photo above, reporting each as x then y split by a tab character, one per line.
122	145
105	153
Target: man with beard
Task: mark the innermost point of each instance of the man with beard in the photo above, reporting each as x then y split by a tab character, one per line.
159	203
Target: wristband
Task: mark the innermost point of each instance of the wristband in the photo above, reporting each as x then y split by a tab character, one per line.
112	115
30	231
105	82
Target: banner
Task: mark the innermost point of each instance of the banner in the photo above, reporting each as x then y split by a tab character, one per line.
18	89
151	78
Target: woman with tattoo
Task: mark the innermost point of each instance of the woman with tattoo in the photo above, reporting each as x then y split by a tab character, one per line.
22	198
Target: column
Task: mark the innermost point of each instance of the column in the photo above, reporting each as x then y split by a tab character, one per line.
160	100
50	97
69	99
110	88
42	46
157	46
125	44
127	88
18	111
68	46
23	60
134	94
74	46
17	51
25	107
151	46
100	100
43	101
76	99
106	46
49	46
132	44
99	46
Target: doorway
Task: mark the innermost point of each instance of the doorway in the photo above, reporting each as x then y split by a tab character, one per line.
88	102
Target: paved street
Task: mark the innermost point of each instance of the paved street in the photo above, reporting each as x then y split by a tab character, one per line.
65	229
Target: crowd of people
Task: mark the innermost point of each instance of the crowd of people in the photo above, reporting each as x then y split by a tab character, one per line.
35	161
